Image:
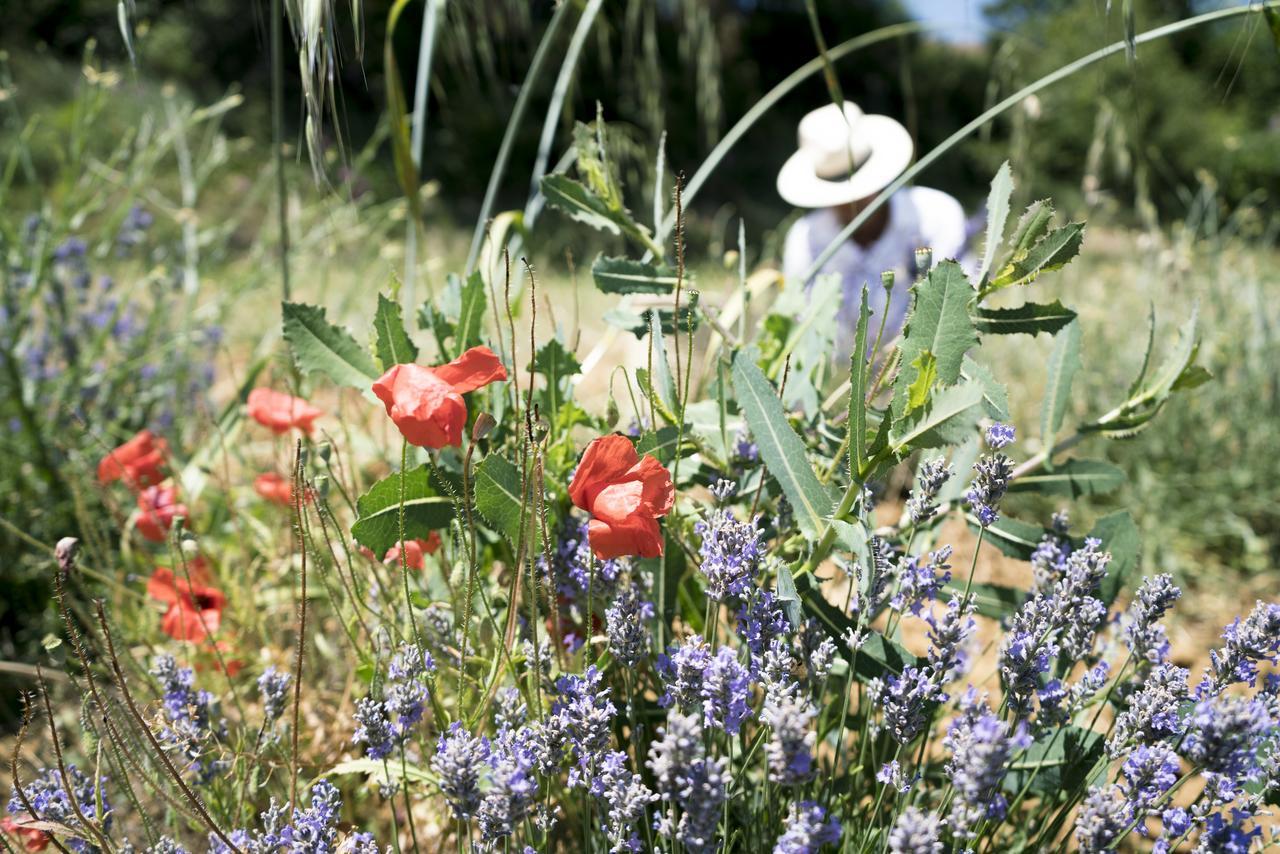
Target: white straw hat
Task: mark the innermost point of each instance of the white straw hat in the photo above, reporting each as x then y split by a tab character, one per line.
843	157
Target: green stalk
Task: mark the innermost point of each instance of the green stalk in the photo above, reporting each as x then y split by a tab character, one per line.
277	138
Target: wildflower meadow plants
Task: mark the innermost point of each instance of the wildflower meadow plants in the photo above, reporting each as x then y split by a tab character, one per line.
480	616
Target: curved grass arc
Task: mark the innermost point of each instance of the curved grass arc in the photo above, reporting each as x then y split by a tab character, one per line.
1015	99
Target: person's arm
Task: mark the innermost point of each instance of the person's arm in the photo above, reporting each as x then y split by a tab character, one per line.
796	256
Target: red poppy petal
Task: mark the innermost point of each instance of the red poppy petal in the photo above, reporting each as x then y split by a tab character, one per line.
606	460
639	537
477	367
161	585
659	492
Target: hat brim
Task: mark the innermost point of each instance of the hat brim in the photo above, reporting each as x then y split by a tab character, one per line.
891	152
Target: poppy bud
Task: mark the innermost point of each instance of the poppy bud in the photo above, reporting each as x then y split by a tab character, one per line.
483	426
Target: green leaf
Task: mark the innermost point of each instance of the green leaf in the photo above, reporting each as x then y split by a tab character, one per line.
1033	225
878	655
1060	761
661	381
1064	361
557	365
470	328
1273	23
926	375
995	397
995	601
859	370
780	448
1053	251
997	214
1119	535
583	205
427	507
947	420
624	276
500	496
1012	537
392	343
940	322
661	444
319	346
789	597
1072	478
1029	319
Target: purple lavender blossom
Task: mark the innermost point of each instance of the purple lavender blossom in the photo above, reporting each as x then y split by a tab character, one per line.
981	746
313	829
1142	631
726	687
806	829
731	552
923	503
687	782
999	436
460	758
761	620
919	583
386	723
1254	639
52	802
1152	711
585	716
1149	772
512	785
192	725
1103	817
904	700
990	481
273	689
626	626
790	748
625	797
1224	740
947	637
916	832
681	669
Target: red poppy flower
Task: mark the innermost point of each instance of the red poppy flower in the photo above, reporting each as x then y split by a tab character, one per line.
138	462
426	403
195	609
157	507
277	489
415	551
281	412
33	839
624	495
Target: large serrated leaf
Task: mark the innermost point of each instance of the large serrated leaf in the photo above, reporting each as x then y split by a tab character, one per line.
392	343
997	214
950	417
1029	319
1052	252
583	205
469	330
940	323
625	276
1064	361
427	507
500	496
995	397
781	449
319	346
1072	478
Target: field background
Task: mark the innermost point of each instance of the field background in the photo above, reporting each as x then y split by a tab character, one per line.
1172	157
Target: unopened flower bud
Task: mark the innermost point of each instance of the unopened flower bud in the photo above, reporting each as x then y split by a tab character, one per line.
483	426
323	450
924	260
886	279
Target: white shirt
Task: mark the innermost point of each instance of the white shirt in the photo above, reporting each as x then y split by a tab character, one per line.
918	217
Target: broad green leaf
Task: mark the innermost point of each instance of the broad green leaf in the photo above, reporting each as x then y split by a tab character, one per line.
1060	761
995	397
878	656
637	322
500	496
926	368
1053	251
661	380
1032	225
469	330
319	346
995	601
997	214
940	322
1012	537
948	419
428	507
625	276
660	444
780	448
859	368
1064	361
1072	478
789	597
557	365
392	342
583	205
1029	319
1119	535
